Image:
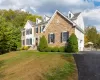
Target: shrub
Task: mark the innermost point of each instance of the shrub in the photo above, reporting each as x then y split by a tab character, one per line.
48	49
62	49
72	44
43	44
25	48
55	49
14	47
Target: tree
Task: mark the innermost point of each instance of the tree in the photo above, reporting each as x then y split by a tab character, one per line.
5	35
72	44
92	35
18	19
43	44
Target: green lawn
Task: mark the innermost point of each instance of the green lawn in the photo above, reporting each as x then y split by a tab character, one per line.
32	65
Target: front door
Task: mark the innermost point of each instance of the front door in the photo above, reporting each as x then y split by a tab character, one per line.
36	41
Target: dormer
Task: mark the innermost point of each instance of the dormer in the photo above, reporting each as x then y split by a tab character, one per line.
46	18
70	15
38	21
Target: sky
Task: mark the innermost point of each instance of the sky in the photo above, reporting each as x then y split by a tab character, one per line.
90	8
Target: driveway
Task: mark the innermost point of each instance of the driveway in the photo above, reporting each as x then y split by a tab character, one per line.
88	65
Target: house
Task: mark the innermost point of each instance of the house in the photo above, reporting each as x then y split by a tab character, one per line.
56	29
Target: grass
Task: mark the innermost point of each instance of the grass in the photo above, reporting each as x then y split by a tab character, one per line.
32	65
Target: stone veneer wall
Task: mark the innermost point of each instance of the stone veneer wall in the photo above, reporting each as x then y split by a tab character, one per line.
58	24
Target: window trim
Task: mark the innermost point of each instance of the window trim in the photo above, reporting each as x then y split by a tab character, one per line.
36	29
50	38
29	41
62	37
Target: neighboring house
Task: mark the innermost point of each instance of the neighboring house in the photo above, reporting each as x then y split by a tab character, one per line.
56	29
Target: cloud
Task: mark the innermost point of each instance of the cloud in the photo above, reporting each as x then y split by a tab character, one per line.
92	17
42	7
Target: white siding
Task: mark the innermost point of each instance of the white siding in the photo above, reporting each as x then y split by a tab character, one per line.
29	26
79	21
80	37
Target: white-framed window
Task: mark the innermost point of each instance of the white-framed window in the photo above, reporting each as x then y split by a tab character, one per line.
64	36
36	29
28	31
29	41
51	38
42	28
70	15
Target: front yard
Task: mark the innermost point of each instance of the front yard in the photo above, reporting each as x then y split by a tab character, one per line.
32	65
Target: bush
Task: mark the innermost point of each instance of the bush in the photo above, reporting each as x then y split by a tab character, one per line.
62	49
25	48
43	44
72	44
48	49
14	47
55	49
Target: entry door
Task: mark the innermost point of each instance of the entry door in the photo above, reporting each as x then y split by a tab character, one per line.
37	41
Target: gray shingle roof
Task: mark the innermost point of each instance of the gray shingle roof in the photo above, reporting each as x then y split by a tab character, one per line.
75	16
32	23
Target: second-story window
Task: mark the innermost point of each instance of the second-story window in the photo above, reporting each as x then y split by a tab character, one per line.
42	28
36	29
28	31
69	15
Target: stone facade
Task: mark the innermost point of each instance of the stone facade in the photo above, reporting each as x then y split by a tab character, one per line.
58	24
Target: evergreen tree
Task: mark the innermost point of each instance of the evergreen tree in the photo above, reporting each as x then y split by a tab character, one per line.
72	44
43	44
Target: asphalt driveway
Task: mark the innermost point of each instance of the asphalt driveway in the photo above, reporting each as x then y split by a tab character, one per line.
88	65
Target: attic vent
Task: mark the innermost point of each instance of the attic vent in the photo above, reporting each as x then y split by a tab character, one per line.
69	15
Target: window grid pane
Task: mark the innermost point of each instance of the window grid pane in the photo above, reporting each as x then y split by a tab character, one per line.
64	36
52	38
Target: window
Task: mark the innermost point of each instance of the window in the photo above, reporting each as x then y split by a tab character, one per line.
51	38
64	36
42	28
28	31
36	29
29	41
69	15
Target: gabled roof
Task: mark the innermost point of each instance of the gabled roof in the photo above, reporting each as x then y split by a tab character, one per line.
31	23
73	24
75	16
62	16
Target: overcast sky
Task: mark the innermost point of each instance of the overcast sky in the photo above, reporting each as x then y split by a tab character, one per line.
89	8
